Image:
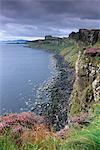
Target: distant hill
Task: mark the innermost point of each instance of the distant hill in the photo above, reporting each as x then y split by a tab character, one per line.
15	41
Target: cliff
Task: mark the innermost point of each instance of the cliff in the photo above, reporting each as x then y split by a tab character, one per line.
81	51
86	89
68	47
86	36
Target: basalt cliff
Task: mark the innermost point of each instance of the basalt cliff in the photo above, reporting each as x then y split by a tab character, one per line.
86	88
87	36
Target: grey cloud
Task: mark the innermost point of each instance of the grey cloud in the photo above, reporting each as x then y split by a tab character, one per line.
87	9
41	17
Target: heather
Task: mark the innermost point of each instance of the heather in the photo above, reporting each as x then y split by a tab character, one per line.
83	133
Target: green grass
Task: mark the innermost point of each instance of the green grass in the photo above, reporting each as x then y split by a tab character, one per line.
46	46
69	50
97	44
86	138
6	143
70	54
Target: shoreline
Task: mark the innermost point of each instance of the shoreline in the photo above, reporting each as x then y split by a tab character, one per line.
53	102
56	93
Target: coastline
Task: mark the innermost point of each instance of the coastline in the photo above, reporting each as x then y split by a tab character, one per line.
54	94
53	103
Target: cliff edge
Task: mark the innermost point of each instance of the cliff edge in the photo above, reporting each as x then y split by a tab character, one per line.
86	89
86	35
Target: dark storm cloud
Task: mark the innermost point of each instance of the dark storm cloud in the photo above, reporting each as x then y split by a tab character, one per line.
88	9
36	18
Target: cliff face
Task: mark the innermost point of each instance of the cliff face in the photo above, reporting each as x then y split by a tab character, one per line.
86	88
49	40
87	36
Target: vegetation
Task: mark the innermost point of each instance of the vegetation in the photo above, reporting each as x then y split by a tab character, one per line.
75	103
46	46
97	44
85	137
70	53
68	50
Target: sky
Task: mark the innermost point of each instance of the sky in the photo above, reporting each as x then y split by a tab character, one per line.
33	19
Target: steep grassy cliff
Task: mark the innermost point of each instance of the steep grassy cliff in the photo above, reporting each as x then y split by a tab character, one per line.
68	48
86	89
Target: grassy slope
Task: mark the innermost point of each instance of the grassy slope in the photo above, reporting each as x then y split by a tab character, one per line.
88	89
86	138
69	50
97	44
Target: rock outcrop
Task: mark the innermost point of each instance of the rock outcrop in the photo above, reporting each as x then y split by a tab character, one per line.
53	40
49	40
86	88
87	36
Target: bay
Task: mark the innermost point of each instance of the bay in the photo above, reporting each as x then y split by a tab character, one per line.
22	71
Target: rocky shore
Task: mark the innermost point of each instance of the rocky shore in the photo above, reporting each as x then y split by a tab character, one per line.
53	96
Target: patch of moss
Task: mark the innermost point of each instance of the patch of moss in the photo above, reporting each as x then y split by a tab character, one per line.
82	103
97	44
70	53
96	108
75	103
87	97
